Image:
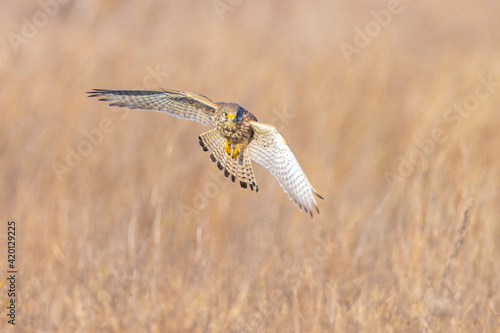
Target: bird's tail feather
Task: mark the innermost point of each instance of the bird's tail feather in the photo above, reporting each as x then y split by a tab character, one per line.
245	172
238	168
211	140
230	168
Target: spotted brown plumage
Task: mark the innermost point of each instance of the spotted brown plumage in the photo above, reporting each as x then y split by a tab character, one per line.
236	139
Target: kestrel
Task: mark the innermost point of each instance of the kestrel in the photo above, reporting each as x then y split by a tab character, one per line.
236	139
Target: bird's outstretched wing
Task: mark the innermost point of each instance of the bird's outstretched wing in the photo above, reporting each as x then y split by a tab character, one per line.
270	149
182	104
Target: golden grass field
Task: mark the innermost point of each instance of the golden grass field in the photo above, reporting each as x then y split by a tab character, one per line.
136	230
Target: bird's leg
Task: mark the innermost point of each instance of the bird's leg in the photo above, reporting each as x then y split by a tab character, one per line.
227	147
235	151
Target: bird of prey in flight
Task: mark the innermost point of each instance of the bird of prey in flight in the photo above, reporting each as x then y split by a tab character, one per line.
236	139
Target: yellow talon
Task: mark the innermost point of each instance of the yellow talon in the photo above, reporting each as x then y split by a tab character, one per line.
227	148
235	151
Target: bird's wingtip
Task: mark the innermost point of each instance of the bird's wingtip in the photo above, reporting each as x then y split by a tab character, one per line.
95	92
318	195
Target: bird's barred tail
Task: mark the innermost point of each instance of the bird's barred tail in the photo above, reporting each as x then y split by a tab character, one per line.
245	172
238	168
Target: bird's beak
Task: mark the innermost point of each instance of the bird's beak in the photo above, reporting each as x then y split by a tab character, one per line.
232	117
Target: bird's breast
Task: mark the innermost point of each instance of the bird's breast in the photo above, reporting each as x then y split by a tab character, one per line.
235	133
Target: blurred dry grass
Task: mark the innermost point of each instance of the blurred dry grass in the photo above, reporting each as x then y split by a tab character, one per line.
126	242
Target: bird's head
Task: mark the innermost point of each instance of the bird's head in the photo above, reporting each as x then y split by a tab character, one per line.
232	112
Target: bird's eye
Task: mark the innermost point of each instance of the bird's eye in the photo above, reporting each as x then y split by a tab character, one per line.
225	114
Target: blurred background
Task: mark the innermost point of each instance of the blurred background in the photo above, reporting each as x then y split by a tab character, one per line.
124	223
